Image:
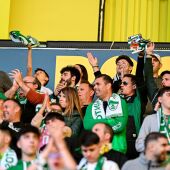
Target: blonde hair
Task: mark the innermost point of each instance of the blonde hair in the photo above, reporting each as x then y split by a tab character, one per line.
72	101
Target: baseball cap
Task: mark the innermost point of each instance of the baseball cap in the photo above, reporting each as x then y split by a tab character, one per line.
157	57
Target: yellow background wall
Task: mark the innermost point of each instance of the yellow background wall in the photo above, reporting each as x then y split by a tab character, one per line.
108	67
4	18
124	18
77	20
55	19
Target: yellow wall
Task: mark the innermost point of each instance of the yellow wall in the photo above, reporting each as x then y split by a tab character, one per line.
77	20
4	18
124	18
56	19
108	67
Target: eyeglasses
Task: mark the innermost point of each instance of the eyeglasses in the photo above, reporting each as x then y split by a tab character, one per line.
28	82
124	83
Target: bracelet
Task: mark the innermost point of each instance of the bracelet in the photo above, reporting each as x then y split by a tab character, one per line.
95	66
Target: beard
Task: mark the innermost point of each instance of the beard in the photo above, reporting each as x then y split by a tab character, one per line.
67	82
161	157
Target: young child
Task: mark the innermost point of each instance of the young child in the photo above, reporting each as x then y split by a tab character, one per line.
28	143
8	156
90	146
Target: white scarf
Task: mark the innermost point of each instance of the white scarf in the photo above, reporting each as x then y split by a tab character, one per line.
9	159
113	109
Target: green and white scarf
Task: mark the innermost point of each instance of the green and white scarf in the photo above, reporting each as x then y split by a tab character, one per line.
84	164
26	164
8	159
113	109
21	99
23	165
164	124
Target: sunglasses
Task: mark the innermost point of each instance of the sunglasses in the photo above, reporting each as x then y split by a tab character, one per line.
124	83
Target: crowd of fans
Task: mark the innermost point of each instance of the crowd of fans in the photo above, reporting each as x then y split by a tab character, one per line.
114	123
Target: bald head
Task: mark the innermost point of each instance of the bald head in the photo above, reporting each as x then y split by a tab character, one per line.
11	110
32	82
104	131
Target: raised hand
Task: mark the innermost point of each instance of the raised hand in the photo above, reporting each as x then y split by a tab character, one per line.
92	60
59	87
15	85
16	75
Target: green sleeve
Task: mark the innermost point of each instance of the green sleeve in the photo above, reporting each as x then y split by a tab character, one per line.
2	96
88	121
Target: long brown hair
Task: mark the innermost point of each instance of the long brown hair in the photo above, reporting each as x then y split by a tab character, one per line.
72	100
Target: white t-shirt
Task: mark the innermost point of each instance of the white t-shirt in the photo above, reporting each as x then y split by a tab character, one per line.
46	90
108	165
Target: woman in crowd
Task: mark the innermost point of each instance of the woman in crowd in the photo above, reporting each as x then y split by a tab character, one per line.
69	101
